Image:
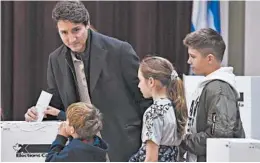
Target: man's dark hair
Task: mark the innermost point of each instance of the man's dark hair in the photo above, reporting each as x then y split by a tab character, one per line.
206	41
73	11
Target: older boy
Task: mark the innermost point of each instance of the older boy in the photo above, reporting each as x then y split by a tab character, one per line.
214	111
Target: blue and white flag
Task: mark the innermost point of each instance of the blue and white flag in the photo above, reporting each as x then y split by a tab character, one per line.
206	14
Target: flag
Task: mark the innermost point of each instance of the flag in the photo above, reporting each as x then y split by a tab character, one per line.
206	14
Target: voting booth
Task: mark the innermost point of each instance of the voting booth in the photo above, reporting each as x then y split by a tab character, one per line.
233	150
249	102
27	141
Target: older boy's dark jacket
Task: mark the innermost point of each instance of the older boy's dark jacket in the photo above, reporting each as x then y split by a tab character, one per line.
218	116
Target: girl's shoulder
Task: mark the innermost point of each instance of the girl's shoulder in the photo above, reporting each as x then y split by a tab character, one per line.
159	108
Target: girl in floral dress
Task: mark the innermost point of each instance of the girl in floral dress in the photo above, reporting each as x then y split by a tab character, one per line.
165	120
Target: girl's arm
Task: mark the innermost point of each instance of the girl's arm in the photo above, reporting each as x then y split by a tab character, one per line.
151	151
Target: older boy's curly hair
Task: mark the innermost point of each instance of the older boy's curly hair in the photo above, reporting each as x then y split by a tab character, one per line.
85	118
73	11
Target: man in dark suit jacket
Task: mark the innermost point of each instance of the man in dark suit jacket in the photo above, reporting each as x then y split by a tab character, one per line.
110	74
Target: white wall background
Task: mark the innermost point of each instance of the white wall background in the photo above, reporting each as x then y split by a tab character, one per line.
252	38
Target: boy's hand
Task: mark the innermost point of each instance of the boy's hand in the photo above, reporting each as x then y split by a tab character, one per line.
62	130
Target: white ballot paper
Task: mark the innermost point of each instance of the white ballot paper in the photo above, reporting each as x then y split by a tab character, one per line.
42	104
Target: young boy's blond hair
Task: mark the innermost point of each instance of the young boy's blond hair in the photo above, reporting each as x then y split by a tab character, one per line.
85	118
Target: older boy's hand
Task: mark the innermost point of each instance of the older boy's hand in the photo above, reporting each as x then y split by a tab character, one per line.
62	130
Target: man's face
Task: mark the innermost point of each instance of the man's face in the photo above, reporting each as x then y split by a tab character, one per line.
198	62
73	35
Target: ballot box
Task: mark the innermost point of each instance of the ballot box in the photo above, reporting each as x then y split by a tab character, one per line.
27	141
233	150
249	102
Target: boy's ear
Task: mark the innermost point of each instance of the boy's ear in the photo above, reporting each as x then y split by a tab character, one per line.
72	130
210	58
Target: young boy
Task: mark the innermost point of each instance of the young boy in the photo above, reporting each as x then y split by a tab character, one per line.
214	112
83	123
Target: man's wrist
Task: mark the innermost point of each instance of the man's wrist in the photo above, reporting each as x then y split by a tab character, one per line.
57	112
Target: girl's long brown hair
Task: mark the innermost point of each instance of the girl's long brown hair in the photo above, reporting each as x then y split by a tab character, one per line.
161	69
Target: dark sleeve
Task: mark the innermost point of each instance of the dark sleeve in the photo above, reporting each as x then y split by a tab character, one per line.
53	89
221	122
61	116
130	64
57	151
